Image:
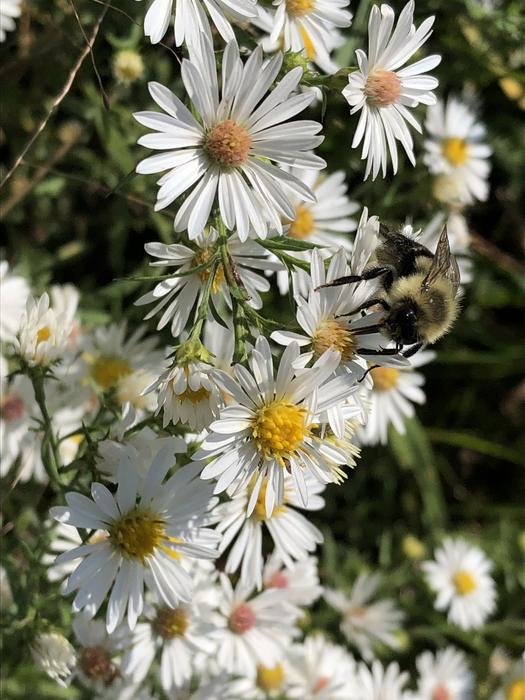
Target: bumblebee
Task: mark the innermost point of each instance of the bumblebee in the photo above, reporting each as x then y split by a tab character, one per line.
419	290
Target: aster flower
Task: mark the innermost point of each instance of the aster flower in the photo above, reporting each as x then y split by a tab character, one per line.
9	10
178	296
391	401
293	535
152	527
460	576
456	146
308	26
319	670
366	623
267	429
98	660
383	93
443	676
513	686
298	582
380	683
43	333
252	631
54	655
14	290
63	539
191	18
229	152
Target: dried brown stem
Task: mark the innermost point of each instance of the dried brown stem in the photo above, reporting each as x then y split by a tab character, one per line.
489	250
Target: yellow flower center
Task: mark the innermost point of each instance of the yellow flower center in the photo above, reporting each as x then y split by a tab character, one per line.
138	533
382	88
333	333
270	678
385	378
203	256
308	44
170	623
43	334
298	8
440	692
303	224
228	144
464	582
280	427
194	397
516	690
259	512
455	150
107	370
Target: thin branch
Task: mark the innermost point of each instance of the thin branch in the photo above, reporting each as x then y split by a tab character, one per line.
491	251
58	99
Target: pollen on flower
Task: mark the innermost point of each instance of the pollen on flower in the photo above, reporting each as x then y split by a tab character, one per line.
242	618
455	150
385	378
382	88
202	256
464	582
515	690
441	692
228	144
303	224
298	8
107	370
333	333
12	407
270	677
170	623
259	512
95	663
137	534
43	334
280	427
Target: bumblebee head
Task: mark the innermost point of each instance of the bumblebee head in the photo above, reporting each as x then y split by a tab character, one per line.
401	323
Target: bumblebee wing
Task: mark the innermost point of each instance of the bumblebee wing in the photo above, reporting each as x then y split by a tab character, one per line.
443	265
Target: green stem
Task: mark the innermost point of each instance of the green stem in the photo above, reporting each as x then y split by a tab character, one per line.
202	311
51	456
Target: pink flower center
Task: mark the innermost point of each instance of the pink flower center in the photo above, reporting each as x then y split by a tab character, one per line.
382	88
321	684
12	408
228	144
277	580
242	619
440	692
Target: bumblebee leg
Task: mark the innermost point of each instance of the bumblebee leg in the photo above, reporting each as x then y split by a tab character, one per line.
370	274
367	305
381	351
412	351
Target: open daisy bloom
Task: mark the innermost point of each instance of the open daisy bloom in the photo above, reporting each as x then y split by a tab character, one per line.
384	93
151	527
456	146
43	333
443	676
381	682
191	18
271	427
14	291
227	152
460	575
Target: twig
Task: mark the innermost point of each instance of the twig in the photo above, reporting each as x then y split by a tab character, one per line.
489	250
58	99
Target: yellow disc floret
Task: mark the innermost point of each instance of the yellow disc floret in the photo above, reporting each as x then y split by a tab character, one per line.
259	512
334	333
455	150
515	690
280	427
270	677
203	256
171	622
298	8
382	88
137	534
385	378
464	582
228	144
107	370
303	224
43	334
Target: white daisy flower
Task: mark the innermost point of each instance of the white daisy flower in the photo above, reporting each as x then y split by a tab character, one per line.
9	10
64	539
151	527
43	333
191	18
298	582
443	676
381	683
513	687
319	670
365	623
456	145
14	290
228	149
178	296
268	428
54	655
252	630
383	93
17	405
308	25
270	683
294	537
98	660
177	634
391	401
460	575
